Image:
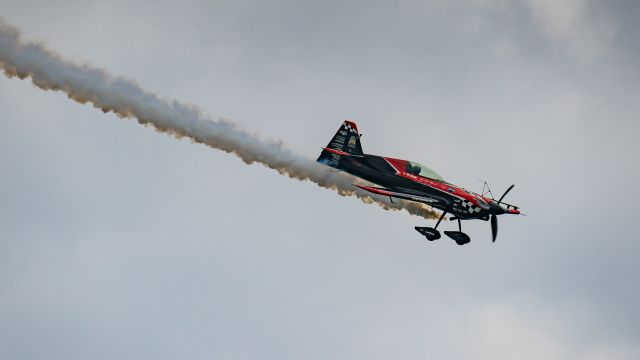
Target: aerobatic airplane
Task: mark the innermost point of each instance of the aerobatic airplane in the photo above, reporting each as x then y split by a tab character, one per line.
411	181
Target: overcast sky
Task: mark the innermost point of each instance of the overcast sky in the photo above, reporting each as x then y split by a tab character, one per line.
117	242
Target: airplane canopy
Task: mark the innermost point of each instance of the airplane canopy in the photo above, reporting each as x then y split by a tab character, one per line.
422	170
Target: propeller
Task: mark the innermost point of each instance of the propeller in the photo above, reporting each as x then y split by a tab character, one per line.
494	218
505	193
494	227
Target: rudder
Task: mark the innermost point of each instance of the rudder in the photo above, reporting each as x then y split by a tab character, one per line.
347	140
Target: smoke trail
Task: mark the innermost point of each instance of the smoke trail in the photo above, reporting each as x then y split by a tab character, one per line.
125	98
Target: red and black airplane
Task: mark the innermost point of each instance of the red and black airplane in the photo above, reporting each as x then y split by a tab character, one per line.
409	180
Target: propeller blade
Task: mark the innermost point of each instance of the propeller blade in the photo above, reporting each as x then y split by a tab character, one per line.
494	227
505	193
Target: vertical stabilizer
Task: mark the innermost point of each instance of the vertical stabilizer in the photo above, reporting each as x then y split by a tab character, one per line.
346	140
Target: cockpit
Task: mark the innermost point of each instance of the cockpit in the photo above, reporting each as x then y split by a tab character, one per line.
422	170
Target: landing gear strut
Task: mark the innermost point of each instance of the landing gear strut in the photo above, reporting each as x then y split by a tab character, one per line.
431	233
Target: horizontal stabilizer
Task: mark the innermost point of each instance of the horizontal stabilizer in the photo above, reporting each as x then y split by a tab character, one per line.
339	152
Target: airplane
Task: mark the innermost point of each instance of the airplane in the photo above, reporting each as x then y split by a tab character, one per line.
412	181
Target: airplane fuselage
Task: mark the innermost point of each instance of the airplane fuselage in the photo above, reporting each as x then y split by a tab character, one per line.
396	182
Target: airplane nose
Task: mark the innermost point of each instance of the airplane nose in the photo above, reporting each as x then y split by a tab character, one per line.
496	209
499	210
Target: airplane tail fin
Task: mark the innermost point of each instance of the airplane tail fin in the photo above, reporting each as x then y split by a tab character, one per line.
346	141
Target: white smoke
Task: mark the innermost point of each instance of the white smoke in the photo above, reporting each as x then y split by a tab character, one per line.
125	98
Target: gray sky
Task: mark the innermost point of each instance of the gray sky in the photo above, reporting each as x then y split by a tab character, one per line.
118	242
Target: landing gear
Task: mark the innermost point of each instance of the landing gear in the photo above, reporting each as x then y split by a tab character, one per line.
431	233
458	236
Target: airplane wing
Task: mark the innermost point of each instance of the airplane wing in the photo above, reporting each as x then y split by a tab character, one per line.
422	198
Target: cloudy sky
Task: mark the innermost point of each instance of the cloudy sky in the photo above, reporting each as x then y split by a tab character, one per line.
119	242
